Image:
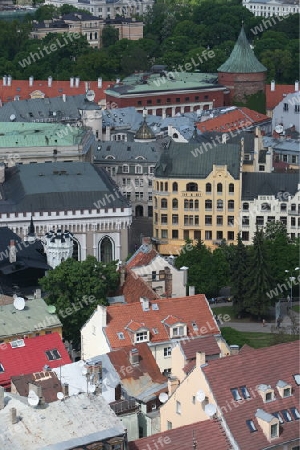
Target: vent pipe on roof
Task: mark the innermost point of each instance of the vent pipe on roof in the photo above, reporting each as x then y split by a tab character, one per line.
64	97
13	415
1	397
31	81
77	81
5	80
65	389
49	81
72	82
100	83
9	80
272	85
296	86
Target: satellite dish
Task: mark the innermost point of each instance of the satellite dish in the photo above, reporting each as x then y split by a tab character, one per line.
163	397
33	399
12	117
210	409
84	371
60	396
90	95
51	309
200	396
19	303
91	388
279	129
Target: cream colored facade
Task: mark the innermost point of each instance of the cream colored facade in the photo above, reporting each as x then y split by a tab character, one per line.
196	209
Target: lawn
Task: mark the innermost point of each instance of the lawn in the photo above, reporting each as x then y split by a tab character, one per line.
228	310
296	308
255	340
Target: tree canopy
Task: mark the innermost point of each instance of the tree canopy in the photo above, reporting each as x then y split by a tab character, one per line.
76	288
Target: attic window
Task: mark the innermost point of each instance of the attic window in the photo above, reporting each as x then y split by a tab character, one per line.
52	355
245	392
195	326
18	343
278	416
235	394
142	336
155	330
286	415
251	425
287	392
1	368
121	336
178	331
155	307
297	378
295	413
269	396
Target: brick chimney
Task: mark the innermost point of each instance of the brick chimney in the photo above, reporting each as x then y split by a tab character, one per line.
234	349
200	359
65	389
168	282
173	383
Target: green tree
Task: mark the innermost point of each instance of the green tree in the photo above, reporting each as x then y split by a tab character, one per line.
76	288
259	280
238	276
110	36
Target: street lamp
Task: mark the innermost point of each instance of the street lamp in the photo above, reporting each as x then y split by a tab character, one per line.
291	280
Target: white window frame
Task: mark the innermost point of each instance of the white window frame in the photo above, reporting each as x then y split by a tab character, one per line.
142	336
167	352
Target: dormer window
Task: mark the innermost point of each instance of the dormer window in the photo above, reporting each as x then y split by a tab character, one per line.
142	336
287	392
266	392
269	424
284	389
179	331
274	431
269	396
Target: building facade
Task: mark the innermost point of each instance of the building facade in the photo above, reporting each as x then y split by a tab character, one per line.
271	8
286	114
196	195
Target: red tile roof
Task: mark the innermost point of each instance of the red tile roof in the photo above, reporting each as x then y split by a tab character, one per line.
207	345
22	89
232	120
251	368
193	309
120	359
47	380
208	434
171	320
141	259
275	97
32	357
135	287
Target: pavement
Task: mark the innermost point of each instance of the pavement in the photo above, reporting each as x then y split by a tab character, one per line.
257	326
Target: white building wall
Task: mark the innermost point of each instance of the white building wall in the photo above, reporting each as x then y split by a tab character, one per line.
93	339
271	8
287	112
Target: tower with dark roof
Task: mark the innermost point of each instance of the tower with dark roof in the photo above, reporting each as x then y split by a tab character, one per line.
242	73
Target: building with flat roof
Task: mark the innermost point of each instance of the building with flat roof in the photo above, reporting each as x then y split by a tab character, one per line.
271	8
77	197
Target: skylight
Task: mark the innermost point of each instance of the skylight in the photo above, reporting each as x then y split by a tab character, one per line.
295	413
286	415
18	343
251	425
52	355
121	335
297	378
195	326
155	330
235	394
1	368
245	392
278	416
155	306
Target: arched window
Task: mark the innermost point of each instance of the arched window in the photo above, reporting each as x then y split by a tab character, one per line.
164	203
230	204
175	203
186	204
231	188
196	204
175	187
219	188
208	187
208	204
219	204
166	187
192	187
191	204
106	249
161	186
245	206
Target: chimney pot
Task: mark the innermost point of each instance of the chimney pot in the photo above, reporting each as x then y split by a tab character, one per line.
272	85
13	415
1	397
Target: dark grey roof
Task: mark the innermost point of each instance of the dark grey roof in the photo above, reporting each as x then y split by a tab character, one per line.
127	152
255	184
53	109
58	187
183	160
232	138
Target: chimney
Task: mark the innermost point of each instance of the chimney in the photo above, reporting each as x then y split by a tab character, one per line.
65	389
13	415
191	290
147	241
103	319
5	80
49	81
64	97
9	80
234	349
1	397
72	82
2	173
272	85
134	357
31	81
173	383
107	133
99	83
12	252
86	86
168	282
145	303
37	389
296	86
77	81
38	293
118	80
200	359
122	275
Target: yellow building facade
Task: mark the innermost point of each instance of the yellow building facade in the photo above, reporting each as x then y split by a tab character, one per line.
197	207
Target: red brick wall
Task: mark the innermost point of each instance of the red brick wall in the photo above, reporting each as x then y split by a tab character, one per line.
243	84
161	100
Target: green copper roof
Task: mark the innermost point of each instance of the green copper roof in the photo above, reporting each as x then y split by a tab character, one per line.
242	58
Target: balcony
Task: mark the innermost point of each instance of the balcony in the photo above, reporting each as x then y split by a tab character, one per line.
293	213
124	406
